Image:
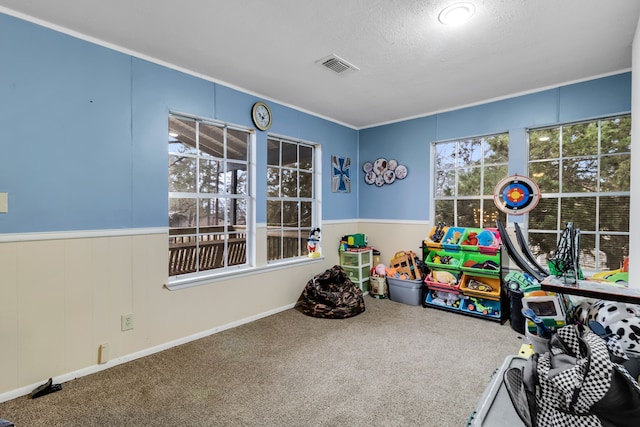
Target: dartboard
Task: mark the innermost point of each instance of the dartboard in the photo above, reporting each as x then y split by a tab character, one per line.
516	195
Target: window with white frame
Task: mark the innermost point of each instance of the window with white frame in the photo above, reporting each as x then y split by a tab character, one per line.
466	172
583	171
209	195
291	197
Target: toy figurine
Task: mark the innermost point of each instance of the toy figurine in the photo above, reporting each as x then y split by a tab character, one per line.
313	243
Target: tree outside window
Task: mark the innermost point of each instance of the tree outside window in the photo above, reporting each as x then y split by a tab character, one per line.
583	171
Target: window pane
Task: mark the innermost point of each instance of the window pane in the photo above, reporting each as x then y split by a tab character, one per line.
237	212
445	155
236	249
182	212
613	250
546	175
545	215
580	139
237	178
469	152
274	213
492	175
211	140
469	181
580	175
496	149
615	135
237	144
587	251
306	157
211	177
289	183
273	182
306	214
290	214
615	173
289	155
614	213
182	174
542	246
212	212
579	210
182	136
544	144
274	243
468	213
491	213
301	245
273	152
445	212
210	252
306	184
445	183
285	244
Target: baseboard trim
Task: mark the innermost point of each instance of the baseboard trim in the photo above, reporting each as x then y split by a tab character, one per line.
23	391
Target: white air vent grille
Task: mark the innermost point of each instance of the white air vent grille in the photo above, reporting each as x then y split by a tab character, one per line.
336	64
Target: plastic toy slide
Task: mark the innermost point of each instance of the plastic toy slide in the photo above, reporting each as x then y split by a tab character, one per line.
515	256
524	248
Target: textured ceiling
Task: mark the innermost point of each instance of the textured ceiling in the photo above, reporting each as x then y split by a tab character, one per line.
410	64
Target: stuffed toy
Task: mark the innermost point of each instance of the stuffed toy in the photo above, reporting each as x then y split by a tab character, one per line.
621	320
313	243
444	277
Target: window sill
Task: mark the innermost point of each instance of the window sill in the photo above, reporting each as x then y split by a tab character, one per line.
175	284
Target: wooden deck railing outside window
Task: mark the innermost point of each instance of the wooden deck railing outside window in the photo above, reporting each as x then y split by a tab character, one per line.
189	252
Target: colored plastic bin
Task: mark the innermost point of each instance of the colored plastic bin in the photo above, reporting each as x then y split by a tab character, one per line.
452	238
481	306
481	264
430	299
492	249
493	285
464	240
430	243
433	284
454	263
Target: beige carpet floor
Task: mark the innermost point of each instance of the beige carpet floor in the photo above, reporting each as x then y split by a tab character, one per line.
393	365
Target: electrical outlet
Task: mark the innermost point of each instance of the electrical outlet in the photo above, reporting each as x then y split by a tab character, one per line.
126	321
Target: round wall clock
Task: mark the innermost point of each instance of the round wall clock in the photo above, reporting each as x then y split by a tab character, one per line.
261	115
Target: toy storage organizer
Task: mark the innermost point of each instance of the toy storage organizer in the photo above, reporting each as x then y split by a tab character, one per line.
465	274
358	266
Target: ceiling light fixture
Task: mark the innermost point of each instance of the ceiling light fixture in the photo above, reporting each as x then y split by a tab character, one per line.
457	13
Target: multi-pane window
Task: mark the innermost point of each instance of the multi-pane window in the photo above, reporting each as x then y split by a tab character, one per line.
466	173
209	195
291	197
583	171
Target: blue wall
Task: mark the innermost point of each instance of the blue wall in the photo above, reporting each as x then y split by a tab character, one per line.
85	130
410	141
83	143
